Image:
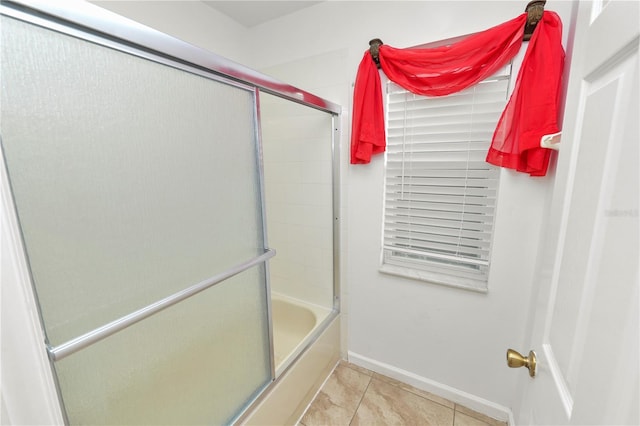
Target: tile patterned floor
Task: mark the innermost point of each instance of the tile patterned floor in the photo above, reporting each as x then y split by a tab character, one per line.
356	396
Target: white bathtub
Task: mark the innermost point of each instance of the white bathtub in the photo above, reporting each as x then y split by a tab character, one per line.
293	323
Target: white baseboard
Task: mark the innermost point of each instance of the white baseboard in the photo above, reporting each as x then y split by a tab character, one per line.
473	402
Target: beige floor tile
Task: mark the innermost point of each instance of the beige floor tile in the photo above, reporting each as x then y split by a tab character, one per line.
357	368
479	416
461	419
419	392
345	387
386	404
323	412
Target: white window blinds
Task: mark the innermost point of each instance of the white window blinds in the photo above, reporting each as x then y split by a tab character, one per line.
440	194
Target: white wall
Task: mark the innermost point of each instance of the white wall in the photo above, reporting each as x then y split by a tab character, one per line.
191	21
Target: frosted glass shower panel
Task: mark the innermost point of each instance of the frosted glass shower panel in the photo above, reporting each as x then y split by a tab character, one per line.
298	179
132	179
195	363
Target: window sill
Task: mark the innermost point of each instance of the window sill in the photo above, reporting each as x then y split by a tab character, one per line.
433	278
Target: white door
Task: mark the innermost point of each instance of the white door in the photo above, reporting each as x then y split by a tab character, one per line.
585	323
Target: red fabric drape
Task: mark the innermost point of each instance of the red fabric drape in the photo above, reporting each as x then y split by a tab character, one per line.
532	110
367	125
448	69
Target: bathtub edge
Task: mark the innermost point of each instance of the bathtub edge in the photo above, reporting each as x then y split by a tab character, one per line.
288	397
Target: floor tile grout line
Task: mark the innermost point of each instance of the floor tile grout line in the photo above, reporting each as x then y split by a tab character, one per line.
488	420
428	399
418	394
397	385
361	398
479	416
299	421
403	391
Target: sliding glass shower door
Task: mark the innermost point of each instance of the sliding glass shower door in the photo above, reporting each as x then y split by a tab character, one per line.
137	184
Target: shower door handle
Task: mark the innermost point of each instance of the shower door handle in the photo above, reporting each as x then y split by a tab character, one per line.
72	346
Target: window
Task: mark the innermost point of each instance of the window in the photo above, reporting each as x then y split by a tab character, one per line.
440	194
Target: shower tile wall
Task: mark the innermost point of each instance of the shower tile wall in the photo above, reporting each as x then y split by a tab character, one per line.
298	186
324	75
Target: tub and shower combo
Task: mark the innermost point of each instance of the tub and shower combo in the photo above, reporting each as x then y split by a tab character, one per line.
178	216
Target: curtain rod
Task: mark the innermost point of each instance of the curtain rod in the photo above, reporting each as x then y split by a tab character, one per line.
534	9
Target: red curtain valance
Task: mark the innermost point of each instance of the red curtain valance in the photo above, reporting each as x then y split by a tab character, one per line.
532	110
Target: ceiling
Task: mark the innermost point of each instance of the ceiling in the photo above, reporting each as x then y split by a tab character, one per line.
252	13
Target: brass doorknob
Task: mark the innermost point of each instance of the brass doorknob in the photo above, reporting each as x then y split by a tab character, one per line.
515	360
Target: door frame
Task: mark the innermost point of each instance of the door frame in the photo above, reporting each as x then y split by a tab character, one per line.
28	392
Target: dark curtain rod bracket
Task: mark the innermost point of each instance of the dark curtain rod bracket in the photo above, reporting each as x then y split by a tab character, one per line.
374	50
534	10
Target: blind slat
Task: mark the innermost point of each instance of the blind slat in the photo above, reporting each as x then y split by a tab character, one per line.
447	216
396	170
404	189
462	240
451	130
425	202
452	165
439	247
444	223
432	157
483	113
411	179
401	229
440	146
